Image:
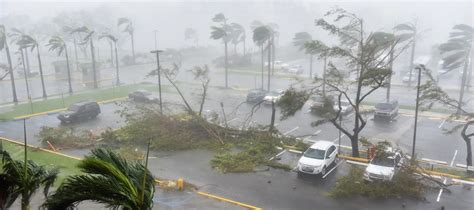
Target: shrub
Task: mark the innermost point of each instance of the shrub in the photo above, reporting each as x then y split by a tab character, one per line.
63	137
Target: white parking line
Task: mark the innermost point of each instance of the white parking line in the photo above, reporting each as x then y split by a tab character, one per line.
278	155
340	162
442	123
342	136
314	134
294	129
444	182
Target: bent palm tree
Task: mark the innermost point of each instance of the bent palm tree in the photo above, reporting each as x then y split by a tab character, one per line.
128	27
238	35
108	179
88	39
23	181
4	45
58	44
457	52
25	42
222	32
262	35
408	32
114	40
300	40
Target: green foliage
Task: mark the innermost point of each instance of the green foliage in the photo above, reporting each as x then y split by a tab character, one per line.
292	101
261	34
66	137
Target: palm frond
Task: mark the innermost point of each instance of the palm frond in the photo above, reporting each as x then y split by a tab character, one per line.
404	27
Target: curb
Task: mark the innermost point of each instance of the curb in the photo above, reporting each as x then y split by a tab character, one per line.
228	201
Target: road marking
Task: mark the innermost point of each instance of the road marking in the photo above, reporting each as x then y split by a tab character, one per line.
340	162
314	134
294	129
442	123
295	151
445	179
278	155
342	136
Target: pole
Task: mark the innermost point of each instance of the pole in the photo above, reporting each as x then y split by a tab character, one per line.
159	76
340	122
416	111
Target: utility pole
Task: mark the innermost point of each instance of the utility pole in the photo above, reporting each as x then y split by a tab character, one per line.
416	110
157	52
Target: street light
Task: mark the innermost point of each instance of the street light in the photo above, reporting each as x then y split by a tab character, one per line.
157	52
416	110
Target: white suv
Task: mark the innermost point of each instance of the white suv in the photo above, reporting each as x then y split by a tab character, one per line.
383	168
318	158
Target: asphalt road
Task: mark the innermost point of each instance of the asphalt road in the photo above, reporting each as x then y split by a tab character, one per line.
277	189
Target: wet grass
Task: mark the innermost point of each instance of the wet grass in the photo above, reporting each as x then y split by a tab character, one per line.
66	100
66	166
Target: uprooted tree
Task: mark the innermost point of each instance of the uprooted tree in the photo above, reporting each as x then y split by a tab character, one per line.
367	57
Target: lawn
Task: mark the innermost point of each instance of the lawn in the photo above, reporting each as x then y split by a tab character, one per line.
66	100
67	166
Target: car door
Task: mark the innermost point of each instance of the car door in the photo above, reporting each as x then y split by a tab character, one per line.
330	155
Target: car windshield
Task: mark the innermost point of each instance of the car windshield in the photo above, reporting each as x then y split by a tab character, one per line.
387	162
314	153
383	106
73	108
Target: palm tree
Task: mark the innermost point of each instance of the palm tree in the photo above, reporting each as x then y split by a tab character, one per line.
23	181
57	43
26	42
16	35
4	45
108	179
222	32
191	33
89	38
128	27
262	35
457	52
408	32
300	40
114	40
238	35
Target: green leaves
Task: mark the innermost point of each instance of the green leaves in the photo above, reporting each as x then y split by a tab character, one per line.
218	33
292	101
126	24
301	38
56	43
405	27
3	37
218	18
261	34
109	37
458	48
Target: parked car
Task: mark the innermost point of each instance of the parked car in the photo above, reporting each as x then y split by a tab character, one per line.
80	111
383	168
144	96
318	102
256	95
386	110
296	69
279	65
346	107
273	96
317	158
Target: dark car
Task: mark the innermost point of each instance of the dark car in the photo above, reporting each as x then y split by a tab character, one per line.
319	101
80	111
256	95
386	110
143	96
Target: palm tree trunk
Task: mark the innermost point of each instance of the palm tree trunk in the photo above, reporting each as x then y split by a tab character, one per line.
467	139
68	71
324	75
269	51
41	72
261	47
273	56
27	62
389	78
117	64
226	63
25	73
111	53
75	54
12	76
244	48
133	47
93	64
412	58
463	84
310	66
272	120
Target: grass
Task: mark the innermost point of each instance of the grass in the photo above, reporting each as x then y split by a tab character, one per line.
66	100
66	166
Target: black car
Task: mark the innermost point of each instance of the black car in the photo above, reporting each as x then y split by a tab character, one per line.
80	111
256	95
143	96
386	110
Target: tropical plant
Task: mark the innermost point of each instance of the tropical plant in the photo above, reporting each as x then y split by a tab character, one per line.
365	56
301	40
128	27
457	52
57	43
89	38
4	45
18	180
202	74
191	33
262	35
27	41
238	36
107	179
16	35
114	40
408	32
222	32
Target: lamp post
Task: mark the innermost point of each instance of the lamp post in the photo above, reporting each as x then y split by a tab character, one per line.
416	110
157	52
